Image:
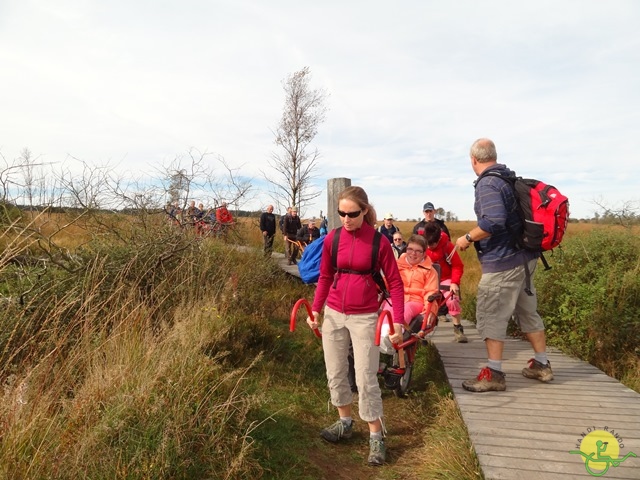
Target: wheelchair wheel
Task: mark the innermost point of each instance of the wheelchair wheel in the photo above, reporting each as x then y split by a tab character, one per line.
403	385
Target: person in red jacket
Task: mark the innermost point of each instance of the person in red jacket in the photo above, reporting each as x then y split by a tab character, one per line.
223	215
351	314
442	252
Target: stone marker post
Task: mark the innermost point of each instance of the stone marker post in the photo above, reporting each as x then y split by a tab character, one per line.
334	187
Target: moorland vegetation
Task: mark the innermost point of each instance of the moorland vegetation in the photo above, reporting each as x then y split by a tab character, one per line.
132	348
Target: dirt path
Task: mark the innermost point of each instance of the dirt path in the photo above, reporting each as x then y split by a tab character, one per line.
347	459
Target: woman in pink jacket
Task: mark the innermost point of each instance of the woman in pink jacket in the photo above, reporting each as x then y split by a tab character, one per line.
350	316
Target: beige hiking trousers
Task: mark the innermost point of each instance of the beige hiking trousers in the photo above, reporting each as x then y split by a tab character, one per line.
338	330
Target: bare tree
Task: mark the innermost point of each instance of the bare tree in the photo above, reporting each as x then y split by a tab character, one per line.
296	161
194	175
178	182
625	213
9	179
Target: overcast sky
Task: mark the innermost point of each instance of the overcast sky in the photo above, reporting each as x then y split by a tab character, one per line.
136	83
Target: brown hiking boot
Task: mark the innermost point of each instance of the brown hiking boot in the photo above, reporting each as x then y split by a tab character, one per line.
488	380
538	371
458	333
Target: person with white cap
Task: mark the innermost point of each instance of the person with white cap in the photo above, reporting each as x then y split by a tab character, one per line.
387	229
429	212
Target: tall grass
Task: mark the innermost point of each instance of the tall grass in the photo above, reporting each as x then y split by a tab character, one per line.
134	365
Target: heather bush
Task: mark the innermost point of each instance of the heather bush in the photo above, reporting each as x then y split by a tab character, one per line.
590	299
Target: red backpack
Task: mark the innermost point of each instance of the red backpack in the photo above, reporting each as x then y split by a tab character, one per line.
544	212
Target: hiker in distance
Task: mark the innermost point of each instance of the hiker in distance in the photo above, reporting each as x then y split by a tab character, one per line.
429	212
268	229
504	273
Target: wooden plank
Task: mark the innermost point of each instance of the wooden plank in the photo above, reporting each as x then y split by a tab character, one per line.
511	474
529	468
527	431
530	427
519	416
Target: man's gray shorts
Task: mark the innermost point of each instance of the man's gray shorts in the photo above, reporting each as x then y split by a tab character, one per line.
502	294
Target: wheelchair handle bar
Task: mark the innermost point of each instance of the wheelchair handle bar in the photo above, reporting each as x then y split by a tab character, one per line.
386	315
294	314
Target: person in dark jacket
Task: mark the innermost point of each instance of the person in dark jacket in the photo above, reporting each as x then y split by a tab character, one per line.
308	233
287	249
429	212
290	226
268	229
388	228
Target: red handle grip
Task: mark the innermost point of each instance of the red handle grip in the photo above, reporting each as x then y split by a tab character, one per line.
294	314
385	314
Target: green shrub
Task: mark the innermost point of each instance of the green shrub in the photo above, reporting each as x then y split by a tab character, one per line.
590	299
9	214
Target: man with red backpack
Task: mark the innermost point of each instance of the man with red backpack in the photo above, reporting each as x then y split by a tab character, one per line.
506	271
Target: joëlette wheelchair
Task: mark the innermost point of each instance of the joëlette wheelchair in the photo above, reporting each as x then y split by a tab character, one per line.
397	377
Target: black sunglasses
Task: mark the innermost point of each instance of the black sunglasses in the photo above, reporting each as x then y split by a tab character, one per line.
349	214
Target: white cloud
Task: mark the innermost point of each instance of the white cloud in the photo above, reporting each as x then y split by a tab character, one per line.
411	86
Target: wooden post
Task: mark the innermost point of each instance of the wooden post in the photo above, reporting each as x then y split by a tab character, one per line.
334	187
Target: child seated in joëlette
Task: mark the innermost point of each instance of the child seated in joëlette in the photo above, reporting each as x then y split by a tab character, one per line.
420	281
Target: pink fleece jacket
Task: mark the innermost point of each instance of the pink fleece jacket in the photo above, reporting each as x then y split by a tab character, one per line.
351	293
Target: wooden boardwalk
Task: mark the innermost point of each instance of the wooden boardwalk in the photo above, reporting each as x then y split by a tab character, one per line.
527	431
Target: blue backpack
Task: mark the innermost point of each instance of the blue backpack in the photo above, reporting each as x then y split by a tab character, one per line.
309	264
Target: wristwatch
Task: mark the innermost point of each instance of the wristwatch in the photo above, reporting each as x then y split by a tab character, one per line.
468	238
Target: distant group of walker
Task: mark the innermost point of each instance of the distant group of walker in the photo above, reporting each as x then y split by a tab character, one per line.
296	236
204	221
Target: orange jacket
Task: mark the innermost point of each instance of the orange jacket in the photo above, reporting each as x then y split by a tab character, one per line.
420	281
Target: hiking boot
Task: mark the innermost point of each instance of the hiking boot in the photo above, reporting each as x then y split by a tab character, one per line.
443	318
458	333
377	452
337	431
488	380
538	371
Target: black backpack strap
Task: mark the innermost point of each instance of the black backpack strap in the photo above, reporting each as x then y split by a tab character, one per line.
334	248
375	271
374	254
527	274
496	173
